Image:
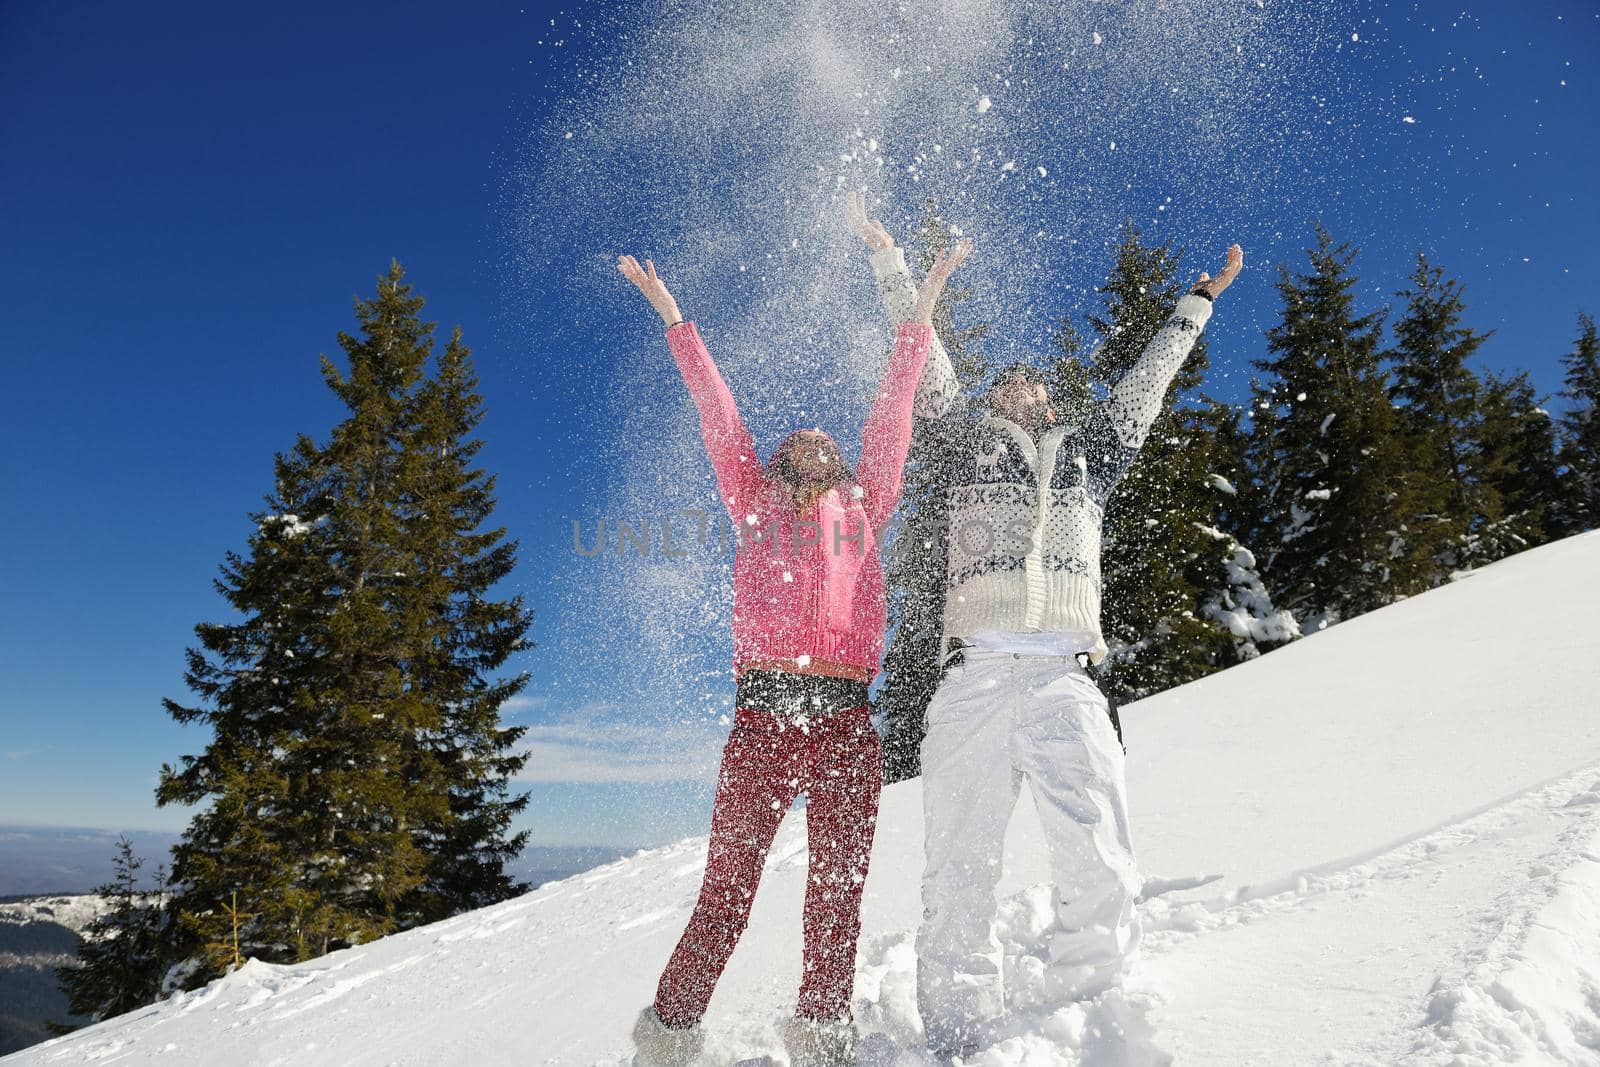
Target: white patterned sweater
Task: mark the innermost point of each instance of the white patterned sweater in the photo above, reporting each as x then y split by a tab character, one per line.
1025	515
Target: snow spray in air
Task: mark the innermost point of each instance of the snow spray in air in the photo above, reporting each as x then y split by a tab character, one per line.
719	139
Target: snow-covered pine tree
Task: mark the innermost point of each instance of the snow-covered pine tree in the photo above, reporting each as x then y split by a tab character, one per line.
1452	515
1157	516
1334	543
1233	593
1580	431
353	783
1514	451
918	561
458	637
120	956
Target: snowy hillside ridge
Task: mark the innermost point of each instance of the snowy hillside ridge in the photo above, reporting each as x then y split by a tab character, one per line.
37	935
74	911
1379	845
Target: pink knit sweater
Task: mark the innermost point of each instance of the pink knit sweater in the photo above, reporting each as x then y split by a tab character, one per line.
808	584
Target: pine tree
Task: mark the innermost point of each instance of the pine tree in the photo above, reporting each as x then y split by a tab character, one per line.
1239	500
1580	432
459	637
1453	514
1514	446
1158	517
375	791
1068	377
120	959
260	695
355	781
1334	540
971	364
918	558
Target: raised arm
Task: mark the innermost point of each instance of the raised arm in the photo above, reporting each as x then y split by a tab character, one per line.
1136	400
728	442
887	435
937	391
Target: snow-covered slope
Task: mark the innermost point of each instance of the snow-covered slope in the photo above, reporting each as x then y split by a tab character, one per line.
1404	813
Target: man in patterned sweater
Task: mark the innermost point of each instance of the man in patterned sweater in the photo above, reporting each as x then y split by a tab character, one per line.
1026	498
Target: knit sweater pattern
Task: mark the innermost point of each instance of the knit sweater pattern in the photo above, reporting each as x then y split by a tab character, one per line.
1025	514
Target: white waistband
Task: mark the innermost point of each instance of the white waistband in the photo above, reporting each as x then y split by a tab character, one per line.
1033	642
997	657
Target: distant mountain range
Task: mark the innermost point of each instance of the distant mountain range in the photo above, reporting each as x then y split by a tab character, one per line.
35	861
540	864
40	861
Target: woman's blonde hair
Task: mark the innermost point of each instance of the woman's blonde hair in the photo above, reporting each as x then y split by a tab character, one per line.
804	493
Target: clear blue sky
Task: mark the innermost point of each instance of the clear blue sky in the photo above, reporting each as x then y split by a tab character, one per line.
192	194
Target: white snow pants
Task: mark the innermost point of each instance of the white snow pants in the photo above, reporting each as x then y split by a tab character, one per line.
995	718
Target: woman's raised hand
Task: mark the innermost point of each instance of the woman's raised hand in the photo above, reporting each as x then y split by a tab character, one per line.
944	264
654	289
871	230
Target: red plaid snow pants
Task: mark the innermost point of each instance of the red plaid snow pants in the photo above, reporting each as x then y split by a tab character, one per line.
768	761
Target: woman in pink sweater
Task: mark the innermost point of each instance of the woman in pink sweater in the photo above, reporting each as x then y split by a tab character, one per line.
808	626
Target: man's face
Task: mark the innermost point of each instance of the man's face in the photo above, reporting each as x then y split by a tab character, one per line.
814	457
1023	402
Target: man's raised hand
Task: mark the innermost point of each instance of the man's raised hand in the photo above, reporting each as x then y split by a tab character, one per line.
1214	286
654	289
870	230
944	264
